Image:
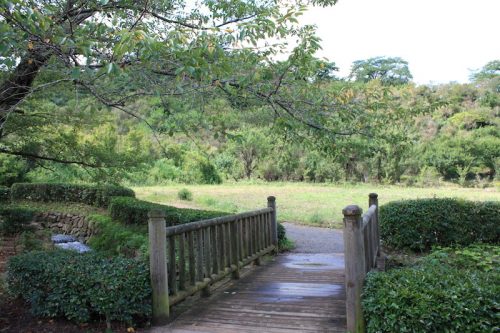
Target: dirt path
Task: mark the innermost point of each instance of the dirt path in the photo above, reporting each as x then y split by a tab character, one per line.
314	240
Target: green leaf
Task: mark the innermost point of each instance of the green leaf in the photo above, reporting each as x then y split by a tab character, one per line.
75	73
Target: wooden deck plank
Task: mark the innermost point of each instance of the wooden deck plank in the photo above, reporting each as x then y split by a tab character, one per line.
292	293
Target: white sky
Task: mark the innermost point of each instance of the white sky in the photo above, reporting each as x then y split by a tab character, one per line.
443	40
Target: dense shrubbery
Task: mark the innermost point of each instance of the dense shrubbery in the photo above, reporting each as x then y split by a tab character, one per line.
115	238
94	195
14	219
4	193
132	211
449	291
81	286
420	224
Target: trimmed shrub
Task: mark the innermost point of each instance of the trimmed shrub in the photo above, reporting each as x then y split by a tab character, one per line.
447	292
4	194
185	194
418	225
81	286
94	195
132	211
14	220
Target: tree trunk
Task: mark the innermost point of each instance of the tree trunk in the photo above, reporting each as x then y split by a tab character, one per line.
19	84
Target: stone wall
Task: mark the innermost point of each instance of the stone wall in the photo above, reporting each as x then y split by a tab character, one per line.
69	224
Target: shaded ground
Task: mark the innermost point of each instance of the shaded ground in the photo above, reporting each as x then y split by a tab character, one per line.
314	240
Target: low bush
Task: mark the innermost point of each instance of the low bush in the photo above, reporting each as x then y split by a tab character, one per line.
281	232
4	194
14	220
116	239
94	195
185	194
447	292
81	287
418	225
33	241
132	211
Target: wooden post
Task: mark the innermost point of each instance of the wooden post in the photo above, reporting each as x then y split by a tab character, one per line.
354	258
271	203
158	266
373	200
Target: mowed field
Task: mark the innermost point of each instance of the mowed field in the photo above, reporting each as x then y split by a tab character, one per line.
313	204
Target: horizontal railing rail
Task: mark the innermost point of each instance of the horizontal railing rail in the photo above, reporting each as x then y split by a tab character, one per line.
191	257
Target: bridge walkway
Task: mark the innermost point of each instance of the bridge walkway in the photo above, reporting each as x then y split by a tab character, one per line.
294	292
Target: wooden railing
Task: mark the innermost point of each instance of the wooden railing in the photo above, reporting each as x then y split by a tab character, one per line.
361	249
190	257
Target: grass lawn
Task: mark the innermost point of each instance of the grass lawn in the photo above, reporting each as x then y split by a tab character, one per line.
314	204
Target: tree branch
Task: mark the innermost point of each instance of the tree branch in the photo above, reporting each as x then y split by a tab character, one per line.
47	158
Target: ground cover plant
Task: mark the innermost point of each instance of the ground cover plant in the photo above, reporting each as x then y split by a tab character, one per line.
451	290
316	204
117	239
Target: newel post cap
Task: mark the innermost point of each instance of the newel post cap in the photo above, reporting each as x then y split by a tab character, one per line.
156	214
352	210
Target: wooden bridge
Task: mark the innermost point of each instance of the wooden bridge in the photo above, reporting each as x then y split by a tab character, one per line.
283	293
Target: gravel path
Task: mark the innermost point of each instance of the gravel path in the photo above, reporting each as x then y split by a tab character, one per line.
314	240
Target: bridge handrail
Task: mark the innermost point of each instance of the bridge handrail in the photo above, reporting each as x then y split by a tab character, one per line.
187	227
188	258
361	249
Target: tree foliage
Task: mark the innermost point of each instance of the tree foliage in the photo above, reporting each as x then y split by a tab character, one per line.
391	71
110	53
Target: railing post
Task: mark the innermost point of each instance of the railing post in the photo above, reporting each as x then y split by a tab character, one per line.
354	258
271	203
158	265
373	200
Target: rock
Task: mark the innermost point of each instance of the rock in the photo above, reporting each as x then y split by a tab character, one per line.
74	246
59	238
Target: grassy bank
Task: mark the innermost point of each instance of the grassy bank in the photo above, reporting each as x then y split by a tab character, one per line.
314	204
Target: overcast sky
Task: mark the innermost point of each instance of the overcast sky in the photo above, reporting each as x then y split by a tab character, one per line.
441	39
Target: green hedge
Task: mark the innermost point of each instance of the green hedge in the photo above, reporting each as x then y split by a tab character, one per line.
132	211
81	287
4	194
94	195
14	219
449	291
418	225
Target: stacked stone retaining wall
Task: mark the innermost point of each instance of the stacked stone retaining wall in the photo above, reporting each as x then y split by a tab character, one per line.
69	224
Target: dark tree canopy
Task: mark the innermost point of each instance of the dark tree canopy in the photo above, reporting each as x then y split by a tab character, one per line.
390	71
